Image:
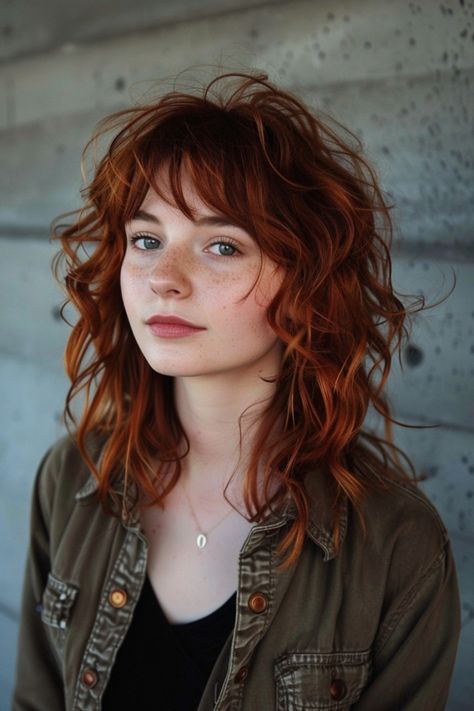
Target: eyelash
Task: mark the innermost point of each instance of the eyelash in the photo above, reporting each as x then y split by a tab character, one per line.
222	240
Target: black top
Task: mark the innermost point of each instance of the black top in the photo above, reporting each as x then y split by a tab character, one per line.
166	666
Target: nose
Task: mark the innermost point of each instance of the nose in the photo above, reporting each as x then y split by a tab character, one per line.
171	274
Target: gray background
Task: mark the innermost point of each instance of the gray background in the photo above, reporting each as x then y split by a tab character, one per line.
398	73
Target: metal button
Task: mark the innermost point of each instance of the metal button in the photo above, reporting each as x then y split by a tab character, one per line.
337	689
89	678
258	602
118	597
241	674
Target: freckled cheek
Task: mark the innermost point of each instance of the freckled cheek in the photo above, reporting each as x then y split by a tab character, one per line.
242	318
132	283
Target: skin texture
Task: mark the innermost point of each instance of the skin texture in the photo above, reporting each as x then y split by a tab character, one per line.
178	271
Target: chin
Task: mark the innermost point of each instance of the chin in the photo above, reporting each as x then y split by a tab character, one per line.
173	370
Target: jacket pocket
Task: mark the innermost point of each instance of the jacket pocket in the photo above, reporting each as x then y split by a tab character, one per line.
56	605
320	680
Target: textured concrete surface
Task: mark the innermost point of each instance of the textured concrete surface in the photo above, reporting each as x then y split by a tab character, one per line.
399	74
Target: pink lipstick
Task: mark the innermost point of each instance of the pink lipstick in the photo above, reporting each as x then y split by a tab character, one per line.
169	326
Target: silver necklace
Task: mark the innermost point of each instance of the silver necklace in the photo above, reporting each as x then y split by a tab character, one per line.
201	538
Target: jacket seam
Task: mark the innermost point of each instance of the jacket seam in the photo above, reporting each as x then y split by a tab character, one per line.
94	638
419	496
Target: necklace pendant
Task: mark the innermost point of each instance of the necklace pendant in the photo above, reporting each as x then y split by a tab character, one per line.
201	540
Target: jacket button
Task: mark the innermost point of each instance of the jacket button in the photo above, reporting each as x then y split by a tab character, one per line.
258	602
118	597
241	674
337	689
89	678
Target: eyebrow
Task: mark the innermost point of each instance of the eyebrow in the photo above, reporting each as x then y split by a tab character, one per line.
206	220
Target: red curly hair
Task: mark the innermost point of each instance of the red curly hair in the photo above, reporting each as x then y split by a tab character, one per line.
261	157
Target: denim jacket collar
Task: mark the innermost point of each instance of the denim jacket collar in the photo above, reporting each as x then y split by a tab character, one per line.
319	528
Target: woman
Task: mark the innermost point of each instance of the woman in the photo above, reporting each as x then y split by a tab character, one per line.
218	531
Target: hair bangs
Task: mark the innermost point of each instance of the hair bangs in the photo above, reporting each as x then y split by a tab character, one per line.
219	150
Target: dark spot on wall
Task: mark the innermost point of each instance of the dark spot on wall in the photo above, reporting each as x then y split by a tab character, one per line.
386	150
472	349
464	459
446	10
469	494
120	83
367	44
254	32
322	55
330	16
413	355
412	41
444	58
470	469
430	472
437	350
56	313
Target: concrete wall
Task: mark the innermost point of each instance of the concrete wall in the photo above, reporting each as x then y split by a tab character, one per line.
398	73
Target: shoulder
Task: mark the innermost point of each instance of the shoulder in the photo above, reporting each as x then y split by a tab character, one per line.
63	472
402	512
406	544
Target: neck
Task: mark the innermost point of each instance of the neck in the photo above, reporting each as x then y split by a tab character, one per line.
209	411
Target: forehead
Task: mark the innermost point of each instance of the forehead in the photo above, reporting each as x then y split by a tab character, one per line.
164	198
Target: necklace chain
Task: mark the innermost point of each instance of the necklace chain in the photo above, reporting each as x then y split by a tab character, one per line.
201	538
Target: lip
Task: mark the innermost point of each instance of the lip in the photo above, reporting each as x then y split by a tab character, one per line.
169	320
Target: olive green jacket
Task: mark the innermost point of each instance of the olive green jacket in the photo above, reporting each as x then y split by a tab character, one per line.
373	627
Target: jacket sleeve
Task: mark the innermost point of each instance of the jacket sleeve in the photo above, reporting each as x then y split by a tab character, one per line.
415	652
38	682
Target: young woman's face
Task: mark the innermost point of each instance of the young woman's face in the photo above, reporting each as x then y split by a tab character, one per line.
178	267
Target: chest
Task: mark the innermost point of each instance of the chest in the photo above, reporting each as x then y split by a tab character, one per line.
191	582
